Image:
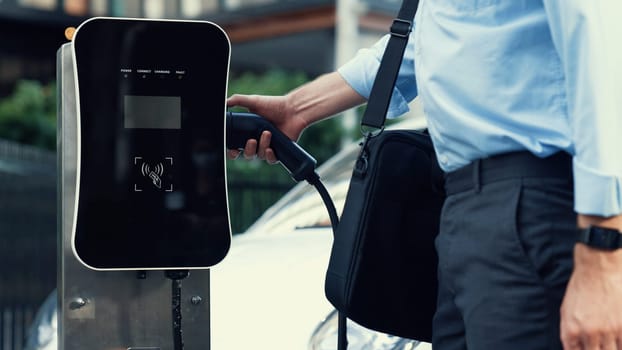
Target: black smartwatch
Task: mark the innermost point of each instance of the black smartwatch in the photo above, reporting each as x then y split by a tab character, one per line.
601	238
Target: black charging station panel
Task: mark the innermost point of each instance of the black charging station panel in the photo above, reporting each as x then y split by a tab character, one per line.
151	183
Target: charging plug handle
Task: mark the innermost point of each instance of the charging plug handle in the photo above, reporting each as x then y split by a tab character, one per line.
244	126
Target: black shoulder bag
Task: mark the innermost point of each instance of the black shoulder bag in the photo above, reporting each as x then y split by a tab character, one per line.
382	269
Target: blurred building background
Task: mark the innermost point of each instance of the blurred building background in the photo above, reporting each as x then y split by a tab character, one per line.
276	45
290	34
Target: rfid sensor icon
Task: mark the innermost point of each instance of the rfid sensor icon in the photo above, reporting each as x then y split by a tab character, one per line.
155	175
153	172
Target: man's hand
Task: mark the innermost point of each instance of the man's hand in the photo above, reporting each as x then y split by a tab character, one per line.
292	113
273	108
591	314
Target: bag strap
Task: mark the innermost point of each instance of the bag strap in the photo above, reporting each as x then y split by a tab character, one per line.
382	89
380	97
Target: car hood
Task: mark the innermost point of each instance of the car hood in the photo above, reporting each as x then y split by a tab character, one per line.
270	276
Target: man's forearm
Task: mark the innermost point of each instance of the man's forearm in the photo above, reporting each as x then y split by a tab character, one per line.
325	96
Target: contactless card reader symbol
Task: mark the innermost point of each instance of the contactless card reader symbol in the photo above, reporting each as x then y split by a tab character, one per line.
154	175
153	172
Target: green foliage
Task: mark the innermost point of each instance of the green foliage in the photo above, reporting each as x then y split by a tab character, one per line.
321	140
29	114
264	183
272	82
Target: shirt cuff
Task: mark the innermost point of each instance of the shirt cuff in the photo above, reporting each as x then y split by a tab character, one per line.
596	193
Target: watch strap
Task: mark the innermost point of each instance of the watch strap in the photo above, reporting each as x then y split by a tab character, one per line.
600	237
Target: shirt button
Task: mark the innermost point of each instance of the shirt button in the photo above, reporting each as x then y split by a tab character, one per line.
444	159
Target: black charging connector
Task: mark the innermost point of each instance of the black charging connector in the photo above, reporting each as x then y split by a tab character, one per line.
176	276
244	126
301	165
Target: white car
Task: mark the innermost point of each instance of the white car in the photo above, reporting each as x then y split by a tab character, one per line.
268	293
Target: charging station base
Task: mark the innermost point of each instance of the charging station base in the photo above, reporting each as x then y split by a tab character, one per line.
106	310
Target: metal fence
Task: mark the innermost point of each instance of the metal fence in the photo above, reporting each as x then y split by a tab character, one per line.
249	199
27	237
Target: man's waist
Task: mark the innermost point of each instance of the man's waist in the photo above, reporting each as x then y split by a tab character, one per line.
508	166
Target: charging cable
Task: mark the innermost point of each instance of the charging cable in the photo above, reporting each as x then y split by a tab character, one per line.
300	165
342	334
176	276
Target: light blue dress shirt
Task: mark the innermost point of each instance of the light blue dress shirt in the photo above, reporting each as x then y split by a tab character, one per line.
497	76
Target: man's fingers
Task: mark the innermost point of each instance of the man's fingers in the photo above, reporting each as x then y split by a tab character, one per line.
570	332
271	157
264	144
239	100
591	341
609	342
574	344
254	149
233	153
599	341
250	150
233	100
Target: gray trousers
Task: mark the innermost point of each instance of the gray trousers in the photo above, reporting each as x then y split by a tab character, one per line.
505	253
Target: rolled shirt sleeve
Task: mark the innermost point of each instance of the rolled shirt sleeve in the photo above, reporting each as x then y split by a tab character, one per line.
586	35
361	70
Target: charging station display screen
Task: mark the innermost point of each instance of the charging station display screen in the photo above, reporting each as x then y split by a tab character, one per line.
152	112
152	186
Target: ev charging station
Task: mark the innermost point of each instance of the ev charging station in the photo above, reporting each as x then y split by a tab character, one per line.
142	185
142	129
